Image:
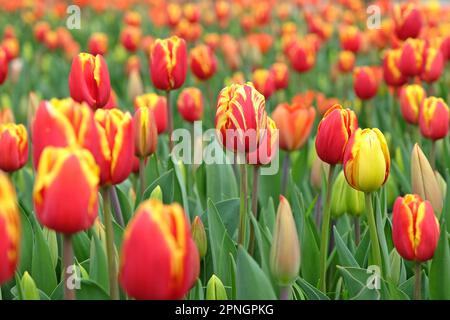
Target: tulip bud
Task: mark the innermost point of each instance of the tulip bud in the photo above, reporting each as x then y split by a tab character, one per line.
135	85
199	236
29	289
423	180
117	145
168	63
13	146
407	20
302	56
411	58
40	30
346	61
158	104
10	229
433	65
130	38
89	80
285	250
190	104
434	118
350	38
66	173
215	289
333	133
98	44
295	122
145	133
263	81
367	160
159	259
345	199
365	82
411	98
203	62
415	228
3	65
280	73
391	68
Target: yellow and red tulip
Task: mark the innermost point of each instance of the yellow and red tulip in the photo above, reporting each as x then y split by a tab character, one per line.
190	104
89	80
407	20
3	65
203	62
346	61
411	98
159	259
433	65
40	30
434	118
415	228
132	18
174	14
263	81
302	56
412	57
98	43
350	38
391	68
367	160
365	82
158	104
191	12
130	37
13	146
280	72
65	192
145	132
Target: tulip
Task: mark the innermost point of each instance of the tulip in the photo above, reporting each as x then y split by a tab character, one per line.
11	47
191	12
350	38
98	44
190	104
263	81
6	116
295	122
215	289
130	38
302	56
407	20
285	249
199	236
434	118
433	65
158	104
423	180
203	62
365	82
346	61
13	146
411	98
173	14
132	18
411	58
3	65
89	80
345	199
333	133
40	30
280	74
391	68
156	262
10	229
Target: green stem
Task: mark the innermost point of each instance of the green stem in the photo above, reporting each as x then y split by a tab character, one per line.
284	292
112	270
285	174
243	205
433	155
142	176
325	233
254	206
69	293
374	244
169	119
357	230
418	281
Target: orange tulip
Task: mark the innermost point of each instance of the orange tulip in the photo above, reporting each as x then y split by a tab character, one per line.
203	62
98	43
280	74
190	104
263	81
346	61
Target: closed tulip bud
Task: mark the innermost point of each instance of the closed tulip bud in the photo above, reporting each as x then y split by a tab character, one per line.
367	160
346	61
203	62
391	68
285	250
415	228
89	80
13	146
157	194
365	82
116	145
302	56
294	122
159	259
3	65
241	117
411	58
29	289
40	30
130	38
168	63
199	236
350	38
434	118
433	65
280	72
333	133
158	104
190	104
10	229
145	133
411	98
215	289
98	44
407	21
345	199
263	81
65	193
423	180
135	85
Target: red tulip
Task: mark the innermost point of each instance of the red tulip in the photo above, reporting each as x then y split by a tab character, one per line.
13	146
411	59
407	20
350	38
434	118
302	56
158	104
391	68
145	133
98	43
411	98
365	82
280	73
3	65
130	37
263	81
433	65
203	62
190	104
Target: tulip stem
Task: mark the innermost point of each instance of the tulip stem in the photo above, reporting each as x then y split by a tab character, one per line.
418	281
114	291
284	177
69	293
374	244
243	205
284	292
433	155
169	120
325	232
357	230
142	175
256	170
116	206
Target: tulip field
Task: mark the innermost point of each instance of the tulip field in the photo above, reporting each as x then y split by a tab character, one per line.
224	150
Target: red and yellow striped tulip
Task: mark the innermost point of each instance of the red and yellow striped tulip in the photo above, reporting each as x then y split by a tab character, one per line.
333	133
434	118
407	20
433	65
412	57
190	104
13	146
168	63
130	38
115	129
294	122
280	72
203	62
391	68
3	65
65	192
350	38
367	160
10	229
98	44
365	82
158	104
411	98
263	81
159	259
145	132
346	61
89	80
302	56
415	228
